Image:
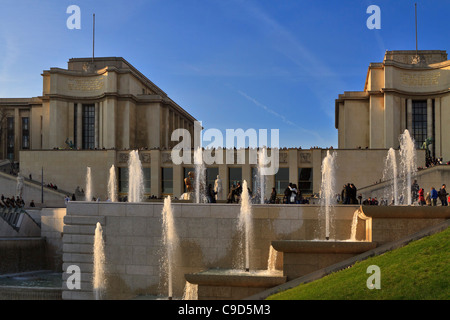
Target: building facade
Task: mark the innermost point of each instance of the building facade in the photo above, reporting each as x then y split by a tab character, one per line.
408	90
101	103
96	111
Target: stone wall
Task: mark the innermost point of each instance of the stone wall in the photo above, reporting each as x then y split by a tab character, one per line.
208	238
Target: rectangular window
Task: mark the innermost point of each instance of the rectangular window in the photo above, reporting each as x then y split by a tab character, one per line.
88	119
123	180
234	176
419	122
25	133
10	138
167	181
281	180
305	180
211	176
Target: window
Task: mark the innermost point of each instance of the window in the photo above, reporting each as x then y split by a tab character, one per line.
167	181
235	176
147	180
124	178
25	133
419	122
88	126
10	138
281	180
305	180
211	176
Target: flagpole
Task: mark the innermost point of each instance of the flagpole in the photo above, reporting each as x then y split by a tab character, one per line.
415	5
93	37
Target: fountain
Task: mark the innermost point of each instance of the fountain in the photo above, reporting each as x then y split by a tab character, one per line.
245	223
89	193
200	177
272	260
170	242
354	225
390	173
98	282
112	184
408	162
327	190
190	291
135	178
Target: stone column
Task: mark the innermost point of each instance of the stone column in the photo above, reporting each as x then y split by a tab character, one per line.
293	165
430	121
100	125
17	133
96	125
156	172
79	125
223	174
409	113
438	128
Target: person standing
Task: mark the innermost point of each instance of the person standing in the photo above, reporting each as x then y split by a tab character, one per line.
443	195
433	196
273	196
421	197
287	193
428	199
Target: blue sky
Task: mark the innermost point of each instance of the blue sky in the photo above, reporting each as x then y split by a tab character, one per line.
260	64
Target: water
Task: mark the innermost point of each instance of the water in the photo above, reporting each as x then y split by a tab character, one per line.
99	281
190	291
354	226
391	173
246	223
272	260
135	178
42	278
261	178
112	184
170	242
89	193
200	177
408	163
327	190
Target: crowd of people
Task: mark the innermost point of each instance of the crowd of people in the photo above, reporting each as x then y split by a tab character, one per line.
431	197
12	202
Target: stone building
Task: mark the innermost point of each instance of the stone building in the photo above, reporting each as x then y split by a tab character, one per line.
101	103
408	90
95	111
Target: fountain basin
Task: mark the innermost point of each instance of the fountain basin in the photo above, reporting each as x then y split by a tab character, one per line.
233	284
301	257
35	285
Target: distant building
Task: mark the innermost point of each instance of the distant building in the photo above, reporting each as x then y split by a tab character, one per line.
405	91
101	103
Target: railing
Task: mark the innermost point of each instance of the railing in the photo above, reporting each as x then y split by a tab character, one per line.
13	216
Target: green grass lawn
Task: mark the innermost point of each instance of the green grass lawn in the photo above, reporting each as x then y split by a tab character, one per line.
418	271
